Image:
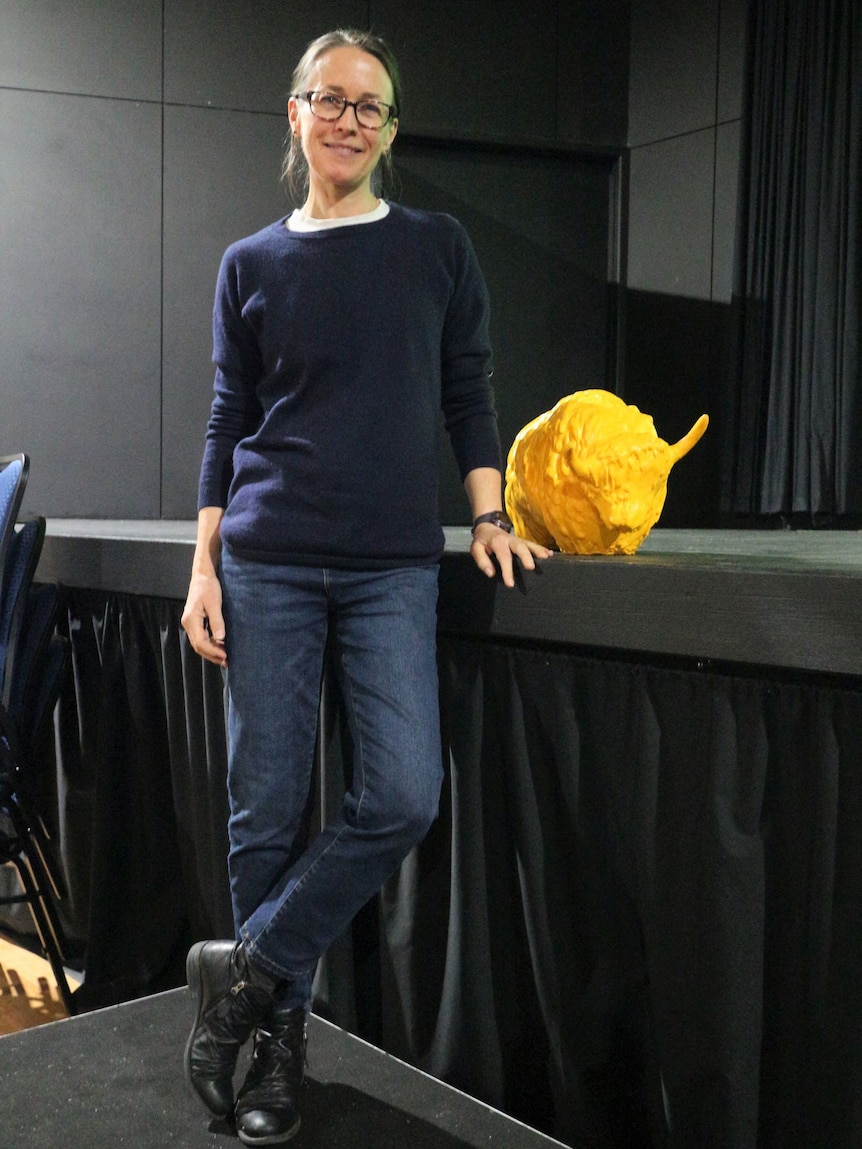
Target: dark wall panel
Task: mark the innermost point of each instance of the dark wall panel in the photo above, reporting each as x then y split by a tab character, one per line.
87	46
731	58
724	225
475	71
221	183
593	72
540	229
81	195
242	55
672	77
675	359
670	216
685	101
80	210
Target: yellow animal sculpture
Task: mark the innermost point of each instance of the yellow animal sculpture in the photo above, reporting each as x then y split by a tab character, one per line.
590	475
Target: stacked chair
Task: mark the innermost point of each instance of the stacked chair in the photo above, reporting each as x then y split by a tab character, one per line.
33	658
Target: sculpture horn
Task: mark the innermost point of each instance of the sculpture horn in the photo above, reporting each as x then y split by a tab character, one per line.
686	443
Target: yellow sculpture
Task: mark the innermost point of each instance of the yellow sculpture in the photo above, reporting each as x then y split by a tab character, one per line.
590	475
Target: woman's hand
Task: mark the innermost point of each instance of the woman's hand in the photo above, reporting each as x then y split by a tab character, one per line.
490	542
202	618
484	490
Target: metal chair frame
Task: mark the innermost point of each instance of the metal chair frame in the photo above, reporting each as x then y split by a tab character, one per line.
32	661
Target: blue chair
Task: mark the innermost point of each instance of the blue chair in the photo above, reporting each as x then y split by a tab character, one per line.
19	566
33	659
14	471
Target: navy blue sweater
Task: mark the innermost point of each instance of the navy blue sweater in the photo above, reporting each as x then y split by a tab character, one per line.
335	352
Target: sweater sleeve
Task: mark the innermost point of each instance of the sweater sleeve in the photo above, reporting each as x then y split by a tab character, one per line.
469	414
235	410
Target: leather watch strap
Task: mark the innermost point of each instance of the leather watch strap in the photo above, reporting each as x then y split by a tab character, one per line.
496	518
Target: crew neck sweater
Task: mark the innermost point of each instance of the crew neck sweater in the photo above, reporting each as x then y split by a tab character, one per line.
335	351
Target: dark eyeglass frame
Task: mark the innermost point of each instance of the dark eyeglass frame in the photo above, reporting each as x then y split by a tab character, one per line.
345	104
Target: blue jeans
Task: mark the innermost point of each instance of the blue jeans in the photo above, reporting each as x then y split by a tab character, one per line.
292	898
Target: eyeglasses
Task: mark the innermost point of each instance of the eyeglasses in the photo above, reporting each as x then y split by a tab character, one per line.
372	114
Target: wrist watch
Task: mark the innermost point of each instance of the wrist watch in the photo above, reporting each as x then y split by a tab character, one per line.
495	518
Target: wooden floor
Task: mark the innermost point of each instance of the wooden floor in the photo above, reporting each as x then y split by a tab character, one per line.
28	990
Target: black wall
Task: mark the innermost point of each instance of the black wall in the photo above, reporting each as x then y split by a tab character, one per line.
139	137
684	121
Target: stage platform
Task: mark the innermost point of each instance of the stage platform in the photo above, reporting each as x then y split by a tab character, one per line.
765	598
645	873
114	1077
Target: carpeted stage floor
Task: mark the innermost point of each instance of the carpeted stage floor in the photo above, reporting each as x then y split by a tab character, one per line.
114	1078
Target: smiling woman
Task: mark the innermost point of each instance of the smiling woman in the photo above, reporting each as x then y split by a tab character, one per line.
340	124
339	334
341	88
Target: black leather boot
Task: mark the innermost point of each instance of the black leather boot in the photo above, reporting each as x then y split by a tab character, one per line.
233	997
267	1106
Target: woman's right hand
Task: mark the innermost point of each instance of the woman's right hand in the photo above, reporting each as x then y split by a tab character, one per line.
202	618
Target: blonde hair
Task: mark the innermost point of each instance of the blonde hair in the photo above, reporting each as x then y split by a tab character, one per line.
294	168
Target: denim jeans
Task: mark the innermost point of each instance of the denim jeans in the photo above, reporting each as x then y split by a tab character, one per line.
292	897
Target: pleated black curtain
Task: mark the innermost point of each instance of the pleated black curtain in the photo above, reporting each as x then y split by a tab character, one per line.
795	449
637	923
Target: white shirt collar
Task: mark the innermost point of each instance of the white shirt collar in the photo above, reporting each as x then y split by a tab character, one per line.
299	221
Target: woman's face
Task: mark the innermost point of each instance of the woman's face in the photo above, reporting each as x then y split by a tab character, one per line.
341	153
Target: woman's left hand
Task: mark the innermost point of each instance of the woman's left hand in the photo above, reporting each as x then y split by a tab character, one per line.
490	543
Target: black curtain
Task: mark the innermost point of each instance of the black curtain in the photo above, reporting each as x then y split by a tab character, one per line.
134	797
795	449
644	880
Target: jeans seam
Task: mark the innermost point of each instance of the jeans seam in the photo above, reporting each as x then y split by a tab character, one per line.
254	950
359	747
285	904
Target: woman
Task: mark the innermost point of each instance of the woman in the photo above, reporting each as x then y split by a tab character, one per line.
339	332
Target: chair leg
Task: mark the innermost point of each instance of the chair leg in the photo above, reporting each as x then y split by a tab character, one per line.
31	829
48	928
36	881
